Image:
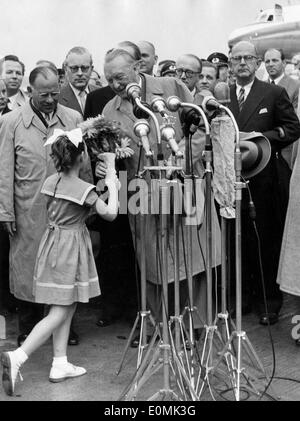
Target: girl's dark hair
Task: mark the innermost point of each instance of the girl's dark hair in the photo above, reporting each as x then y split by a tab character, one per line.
64	153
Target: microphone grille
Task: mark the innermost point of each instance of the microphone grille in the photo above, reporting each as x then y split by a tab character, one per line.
222	93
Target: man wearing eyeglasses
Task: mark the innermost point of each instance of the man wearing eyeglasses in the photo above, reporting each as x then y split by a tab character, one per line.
78	68
265	108
26	163
188	70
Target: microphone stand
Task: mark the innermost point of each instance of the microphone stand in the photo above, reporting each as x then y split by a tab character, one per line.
142	129
243	342
163	352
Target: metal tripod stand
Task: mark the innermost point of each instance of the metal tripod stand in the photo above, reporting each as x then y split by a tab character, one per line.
164	355
243	343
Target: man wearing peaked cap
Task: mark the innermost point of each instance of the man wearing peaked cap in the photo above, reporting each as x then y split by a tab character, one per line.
168	69
221	61
218	58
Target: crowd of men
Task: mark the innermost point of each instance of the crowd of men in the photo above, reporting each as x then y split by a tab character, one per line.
63	97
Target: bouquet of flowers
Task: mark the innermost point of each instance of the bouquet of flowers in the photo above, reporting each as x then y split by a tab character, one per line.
104	136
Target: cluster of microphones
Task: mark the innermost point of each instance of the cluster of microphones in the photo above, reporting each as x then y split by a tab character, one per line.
191	115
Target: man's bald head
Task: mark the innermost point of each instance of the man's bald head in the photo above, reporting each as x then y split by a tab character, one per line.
244	45
149	57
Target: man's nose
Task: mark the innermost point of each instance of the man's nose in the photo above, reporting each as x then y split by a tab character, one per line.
79	71
49	99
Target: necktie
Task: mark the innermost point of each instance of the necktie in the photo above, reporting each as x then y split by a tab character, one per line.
47	118
241	98
82	97
273	82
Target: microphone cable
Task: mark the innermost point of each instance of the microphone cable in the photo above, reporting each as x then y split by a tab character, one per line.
252	215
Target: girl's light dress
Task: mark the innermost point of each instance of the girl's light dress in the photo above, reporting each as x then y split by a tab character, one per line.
65	270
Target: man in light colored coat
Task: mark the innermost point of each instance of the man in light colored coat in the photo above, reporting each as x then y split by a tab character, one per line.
121	69
26	163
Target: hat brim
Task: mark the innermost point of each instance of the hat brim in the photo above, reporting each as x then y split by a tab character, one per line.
265	145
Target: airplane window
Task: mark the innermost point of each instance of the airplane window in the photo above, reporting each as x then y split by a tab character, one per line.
263	17
270	18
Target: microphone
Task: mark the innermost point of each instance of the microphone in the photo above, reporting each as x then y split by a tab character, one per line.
168	134
158	105
221	97
133	91
222	93
173	103
191	119
141	129
190	115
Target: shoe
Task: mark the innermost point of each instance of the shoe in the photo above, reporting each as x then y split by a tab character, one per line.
66	371
10	372
136	341
21	339
103	322
73	338
266	319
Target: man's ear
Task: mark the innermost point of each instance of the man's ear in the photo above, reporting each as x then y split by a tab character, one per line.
259	61
137	66
156	58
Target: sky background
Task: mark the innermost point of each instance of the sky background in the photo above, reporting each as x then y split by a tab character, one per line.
47	29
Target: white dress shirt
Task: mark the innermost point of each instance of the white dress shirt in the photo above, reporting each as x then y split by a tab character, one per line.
278	79
77	93
247	89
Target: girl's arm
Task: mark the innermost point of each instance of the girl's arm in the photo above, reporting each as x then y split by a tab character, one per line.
109	211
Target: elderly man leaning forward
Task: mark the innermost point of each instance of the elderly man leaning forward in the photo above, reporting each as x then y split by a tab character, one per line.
121	69
26	163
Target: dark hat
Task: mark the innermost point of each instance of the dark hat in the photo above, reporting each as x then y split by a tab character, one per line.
256	153
168	68
218	58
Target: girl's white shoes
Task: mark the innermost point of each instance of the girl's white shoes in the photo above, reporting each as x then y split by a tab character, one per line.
59	373
11	368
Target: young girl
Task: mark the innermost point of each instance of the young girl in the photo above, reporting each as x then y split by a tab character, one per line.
65	271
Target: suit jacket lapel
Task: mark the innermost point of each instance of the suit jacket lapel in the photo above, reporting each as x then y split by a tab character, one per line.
69	99
255	97
234	106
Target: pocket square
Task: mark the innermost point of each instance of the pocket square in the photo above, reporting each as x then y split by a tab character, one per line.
263	111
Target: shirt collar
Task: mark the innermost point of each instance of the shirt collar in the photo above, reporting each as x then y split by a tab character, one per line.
28	114
278	79
247	88
78	91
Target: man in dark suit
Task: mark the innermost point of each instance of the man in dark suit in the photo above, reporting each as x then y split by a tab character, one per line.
266	108
97	100
78	67
275	65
